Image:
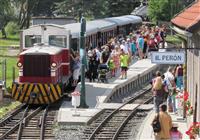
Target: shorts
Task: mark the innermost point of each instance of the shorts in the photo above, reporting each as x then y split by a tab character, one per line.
124	68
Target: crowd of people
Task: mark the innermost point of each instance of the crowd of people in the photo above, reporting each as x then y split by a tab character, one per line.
119	52
165	88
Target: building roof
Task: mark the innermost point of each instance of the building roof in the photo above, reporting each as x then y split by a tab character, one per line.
189	18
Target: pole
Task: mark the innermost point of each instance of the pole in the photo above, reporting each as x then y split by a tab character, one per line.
83	60
13	74
185	80
5	72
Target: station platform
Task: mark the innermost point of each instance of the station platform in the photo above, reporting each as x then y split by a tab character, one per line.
146	130
97	93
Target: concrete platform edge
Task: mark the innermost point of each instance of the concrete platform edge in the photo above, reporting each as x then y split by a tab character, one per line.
138	137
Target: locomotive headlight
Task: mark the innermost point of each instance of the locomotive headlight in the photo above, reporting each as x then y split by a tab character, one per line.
53	65
19	64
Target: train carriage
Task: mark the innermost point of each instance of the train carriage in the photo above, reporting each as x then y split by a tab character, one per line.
125	24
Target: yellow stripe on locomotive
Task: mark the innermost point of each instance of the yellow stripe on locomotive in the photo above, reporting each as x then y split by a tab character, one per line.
36	93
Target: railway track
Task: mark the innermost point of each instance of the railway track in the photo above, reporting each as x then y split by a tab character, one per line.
117	124
29	122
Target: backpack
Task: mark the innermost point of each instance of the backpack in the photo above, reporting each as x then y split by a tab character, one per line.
151	43
156	125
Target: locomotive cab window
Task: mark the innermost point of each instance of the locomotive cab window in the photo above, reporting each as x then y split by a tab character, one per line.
30	40
58	40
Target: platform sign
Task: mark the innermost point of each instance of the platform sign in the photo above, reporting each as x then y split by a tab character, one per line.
168	57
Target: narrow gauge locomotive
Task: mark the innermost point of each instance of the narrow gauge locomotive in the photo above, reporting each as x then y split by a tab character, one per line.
44	61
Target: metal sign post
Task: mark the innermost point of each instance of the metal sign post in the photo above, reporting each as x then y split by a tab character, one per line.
83	60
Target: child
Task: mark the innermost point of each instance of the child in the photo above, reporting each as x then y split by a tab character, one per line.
124	61
111	66
175	134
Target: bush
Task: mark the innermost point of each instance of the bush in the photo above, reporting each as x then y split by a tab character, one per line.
12	28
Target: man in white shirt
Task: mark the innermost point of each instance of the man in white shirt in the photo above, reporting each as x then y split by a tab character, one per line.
169	78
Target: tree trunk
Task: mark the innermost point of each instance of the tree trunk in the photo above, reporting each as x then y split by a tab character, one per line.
4	35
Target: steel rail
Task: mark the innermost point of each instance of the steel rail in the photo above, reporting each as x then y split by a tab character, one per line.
14	113
26	119
10	131
128	118
42	130
116	110
21	124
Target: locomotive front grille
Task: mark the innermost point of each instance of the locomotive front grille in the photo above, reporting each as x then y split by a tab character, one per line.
36	65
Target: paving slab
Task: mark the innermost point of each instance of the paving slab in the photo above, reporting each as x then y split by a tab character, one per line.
117	105
80	117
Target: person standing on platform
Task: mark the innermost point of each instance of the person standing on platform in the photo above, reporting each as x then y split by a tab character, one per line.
76	68
175	133
165	123
124	61
179	76
169	77
157	89
140	44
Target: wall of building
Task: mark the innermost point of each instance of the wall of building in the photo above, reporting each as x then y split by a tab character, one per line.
193	72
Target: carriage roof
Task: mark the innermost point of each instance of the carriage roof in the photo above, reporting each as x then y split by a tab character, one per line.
102	24
122	20
135	19
75	29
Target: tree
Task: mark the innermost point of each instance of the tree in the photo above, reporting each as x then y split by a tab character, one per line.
6	14
96	8
25	11
121	7
45	8
163	10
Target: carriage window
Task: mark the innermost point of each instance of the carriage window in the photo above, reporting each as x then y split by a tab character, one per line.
30	40
58	40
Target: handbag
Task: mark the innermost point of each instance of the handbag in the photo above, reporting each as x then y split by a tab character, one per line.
156	125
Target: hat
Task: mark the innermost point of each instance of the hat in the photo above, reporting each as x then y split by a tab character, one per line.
174	125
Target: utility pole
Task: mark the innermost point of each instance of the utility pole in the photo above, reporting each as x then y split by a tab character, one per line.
83	60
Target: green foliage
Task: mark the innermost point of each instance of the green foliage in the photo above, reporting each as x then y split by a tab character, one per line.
6	14
7	108
121	7
96	8
11	40
173	39
11	62
163	10
12	28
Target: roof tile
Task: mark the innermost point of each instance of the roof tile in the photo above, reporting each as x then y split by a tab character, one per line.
188	18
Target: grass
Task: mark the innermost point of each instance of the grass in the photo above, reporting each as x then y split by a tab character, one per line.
11	61
7	107
173	39
11	40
